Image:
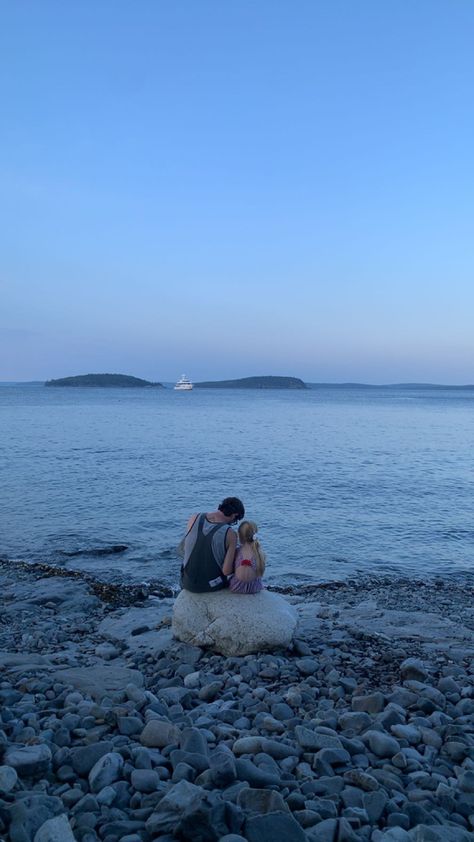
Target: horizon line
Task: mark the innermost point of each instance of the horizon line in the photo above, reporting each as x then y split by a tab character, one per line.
327	383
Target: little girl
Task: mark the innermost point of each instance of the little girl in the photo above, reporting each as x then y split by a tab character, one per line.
249	564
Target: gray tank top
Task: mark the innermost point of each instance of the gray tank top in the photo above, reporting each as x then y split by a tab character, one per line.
217	544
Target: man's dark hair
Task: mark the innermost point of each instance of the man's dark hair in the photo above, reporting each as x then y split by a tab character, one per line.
232	506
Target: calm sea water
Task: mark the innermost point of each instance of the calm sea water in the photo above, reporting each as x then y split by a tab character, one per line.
341	481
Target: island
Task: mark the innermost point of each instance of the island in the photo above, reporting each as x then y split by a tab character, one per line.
104	380
264	382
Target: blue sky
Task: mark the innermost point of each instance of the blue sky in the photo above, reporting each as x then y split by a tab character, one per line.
237	187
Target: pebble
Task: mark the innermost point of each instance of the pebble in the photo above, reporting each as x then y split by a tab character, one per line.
8	779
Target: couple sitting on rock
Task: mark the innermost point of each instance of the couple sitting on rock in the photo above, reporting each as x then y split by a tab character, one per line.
213	559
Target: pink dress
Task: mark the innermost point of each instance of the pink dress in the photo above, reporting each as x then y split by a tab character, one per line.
236	585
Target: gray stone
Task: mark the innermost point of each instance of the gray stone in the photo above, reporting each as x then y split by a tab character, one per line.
175	695
255	745
247	771
85	757
28	761
324	831
312	741
373	703
413	668
307	666
261	801
8	779
351	797
158	733
56	829
361	779
29	813
465	781
282	711
107	651
232	837
395	834
145	780
374	804
181	803
274	827
381	744
355	721
106	796
437	833
330	757
106	771
407	732
199	762
222	766
194	741
129	725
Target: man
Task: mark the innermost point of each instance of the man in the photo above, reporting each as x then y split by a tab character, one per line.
209	547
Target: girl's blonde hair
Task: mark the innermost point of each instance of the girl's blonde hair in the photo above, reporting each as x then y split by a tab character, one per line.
247	530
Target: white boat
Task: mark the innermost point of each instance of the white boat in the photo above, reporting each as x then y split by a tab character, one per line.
183	384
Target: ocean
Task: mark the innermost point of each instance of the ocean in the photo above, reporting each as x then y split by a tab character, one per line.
342	481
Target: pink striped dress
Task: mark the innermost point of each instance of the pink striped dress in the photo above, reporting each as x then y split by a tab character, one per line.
236	585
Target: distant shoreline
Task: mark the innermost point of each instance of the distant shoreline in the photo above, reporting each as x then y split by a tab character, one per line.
308	384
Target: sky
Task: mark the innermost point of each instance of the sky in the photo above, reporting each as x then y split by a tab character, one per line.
237	187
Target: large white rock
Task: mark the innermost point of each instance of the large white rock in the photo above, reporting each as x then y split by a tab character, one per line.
234	624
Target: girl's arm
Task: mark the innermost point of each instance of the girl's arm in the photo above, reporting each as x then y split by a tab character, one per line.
231	542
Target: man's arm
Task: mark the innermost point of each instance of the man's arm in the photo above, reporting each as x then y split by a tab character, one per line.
180	547
231	543
191	521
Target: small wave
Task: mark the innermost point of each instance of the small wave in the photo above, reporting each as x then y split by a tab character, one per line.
457	534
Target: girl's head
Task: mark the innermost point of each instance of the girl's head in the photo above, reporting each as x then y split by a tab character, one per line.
247	530
248	535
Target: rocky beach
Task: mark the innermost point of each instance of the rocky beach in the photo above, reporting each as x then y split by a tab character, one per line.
111	729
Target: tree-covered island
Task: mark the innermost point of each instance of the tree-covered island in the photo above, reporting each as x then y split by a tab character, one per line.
104	380
264	382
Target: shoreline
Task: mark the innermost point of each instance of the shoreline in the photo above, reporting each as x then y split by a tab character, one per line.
114	590
113	730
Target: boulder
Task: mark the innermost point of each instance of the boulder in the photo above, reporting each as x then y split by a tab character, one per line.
234	624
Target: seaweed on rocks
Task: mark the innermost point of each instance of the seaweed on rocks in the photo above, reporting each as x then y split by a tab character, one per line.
114	593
